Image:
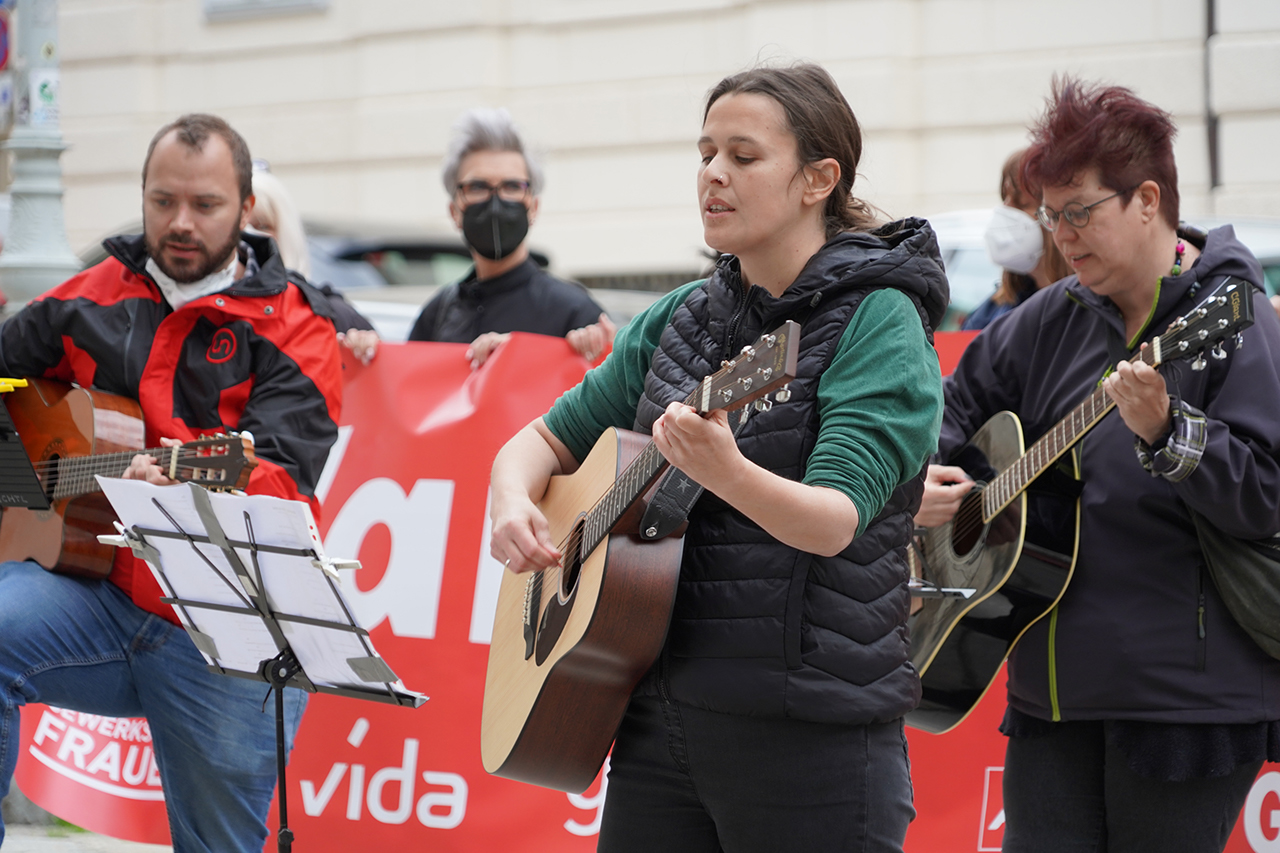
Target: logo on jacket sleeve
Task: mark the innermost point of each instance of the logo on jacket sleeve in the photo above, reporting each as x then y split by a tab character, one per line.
222	348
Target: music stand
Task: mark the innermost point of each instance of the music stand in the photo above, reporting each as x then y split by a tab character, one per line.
249	580
19	485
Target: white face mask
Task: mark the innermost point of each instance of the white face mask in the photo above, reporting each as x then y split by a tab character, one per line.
1015	241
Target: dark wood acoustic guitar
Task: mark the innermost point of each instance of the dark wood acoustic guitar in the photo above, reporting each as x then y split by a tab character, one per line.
570	643
71	434
1013	541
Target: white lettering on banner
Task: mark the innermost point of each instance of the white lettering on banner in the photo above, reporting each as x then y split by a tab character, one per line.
355	794
312	803
1255	819
991	821
453	802
79	759
484	604
409	593
331	464
403	776
578	801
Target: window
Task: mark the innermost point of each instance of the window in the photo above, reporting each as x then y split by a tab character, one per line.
230	10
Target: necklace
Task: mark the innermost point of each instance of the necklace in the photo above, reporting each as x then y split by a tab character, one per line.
1177	258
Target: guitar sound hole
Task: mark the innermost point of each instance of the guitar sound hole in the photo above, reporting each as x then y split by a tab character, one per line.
572	563
49	480
967	526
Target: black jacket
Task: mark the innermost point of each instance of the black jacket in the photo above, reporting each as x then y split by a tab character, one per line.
761	628
525	299
1127	643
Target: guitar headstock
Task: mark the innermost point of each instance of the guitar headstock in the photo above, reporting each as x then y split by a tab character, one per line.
1225	312
220	462
761	368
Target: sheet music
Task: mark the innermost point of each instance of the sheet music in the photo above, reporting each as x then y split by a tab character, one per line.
292	583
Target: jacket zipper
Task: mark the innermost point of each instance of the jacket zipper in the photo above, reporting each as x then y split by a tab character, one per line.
1053	665
738	315
1200	632
131	313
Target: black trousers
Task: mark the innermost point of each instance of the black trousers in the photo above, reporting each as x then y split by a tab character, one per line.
684	780
1071	792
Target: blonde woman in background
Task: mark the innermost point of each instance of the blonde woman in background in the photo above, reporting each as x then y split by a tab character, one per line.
275	215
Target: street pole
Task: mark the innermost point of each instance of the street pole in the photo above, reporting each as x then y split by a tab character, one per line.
36	253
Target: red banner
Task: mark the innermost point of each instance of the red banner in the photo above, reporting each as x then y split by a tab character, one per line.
406	491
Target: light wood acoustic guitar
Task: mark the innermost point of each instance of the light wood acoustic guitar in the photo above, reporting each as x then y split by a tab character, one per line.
71	434
570	643
1012	543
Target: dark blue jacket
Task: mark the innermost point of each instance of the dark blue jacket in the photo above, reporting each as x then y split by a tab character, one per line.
1126	643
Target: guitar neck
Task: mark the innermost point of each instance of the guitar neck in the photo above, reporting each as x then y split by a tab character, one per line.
631	484
1013	480
77	475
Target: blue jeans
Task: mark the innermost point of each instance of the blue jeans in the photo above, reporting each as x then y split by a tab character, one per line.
85	646
694	781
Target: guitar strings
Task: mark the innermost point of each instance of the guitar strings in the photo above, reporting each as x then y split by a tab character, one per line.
570	545
972	512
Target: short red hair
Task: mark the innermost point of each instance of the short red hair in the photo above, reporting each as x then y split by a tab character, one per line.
1108	128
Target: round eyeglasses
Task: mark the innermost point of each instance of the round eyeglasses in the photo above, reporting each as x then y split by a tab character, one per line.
1074	212
477	192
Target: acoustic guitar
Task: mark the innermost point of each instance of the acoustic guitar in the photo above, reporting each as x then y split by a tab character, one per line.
1012	543
71	434
571	642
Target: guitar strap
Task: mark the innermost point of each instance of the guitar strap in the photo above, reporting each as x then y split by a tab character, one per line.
676	494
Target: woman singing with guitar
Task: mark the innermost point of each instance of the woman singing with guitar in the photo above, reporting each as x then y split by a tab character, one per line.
772	717
1139	711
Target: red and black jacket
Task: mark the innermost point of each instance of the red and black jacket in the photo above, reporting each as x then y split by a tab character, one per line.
260	356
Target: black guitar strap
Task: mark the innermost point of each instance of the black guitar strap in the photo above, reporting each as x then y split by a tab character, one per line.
676	494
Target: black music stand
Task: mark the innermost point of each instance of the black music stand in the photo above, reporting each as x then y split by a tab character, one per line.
249	580
19	485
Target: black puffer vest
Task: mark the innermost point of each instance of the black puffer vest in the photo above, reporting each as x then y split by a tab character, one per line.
760	628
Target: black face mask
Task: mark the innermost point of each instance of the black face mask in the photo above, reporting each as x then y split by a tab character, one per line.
496	227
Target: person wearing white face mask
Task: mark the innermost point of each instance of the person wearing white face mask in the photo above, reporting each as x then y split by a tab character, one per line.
1019	246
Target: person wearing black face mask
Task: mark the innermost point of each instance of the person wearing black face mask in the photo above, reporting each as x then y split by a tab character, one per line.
493	199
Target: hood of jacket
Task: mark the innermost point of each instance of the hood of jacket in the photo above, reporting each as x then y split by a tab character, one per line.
903	255
1222	255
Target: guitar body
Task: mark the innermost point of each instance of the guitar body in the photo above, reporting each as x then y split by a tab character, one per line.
553	702
1019	563
56	420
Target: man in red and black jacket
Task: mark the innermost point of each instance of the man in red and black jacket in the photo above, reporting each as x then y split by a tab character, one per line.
200	323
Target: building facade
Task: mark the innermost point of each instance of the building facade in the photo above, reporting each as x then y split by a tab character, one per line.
351	101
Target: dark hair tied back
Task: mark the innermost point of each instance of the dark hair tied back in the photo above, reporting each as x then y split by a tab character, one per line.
824	126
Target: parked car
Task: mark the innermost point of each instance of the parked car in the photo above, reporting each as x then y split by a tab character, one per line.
971	274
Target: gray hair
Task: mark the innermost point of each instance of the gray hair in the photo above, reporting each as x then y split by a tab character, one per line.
486	129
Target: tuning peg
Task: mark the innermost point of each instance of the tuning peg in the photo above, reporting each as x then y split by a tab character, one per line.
764	404
749	352
1239	340
1198	363
784	393
1218	352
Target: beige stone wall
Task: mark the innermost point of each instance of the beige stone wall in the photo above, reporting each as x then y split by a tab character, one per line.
352	105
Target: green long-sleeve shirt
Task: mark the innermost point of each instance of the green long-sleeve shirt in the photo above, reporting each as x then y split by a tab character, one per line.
879	402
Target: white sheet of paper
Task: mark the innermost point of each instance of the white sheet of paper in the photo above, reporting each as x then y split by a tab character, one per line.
293	584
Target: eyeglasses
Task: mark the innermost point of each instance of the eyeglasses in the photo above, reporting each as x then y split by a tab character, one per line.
476	192
1074	212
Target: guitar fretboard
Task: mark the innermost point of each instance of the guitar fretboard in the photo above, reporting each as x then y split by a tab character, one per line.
1001	491
76	475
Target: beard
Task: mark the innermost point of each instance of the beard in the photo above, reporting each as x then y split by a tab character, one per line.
188	270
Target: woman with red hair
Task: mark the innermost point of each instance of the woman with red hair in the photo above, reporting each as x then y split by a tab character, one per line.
1139	712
